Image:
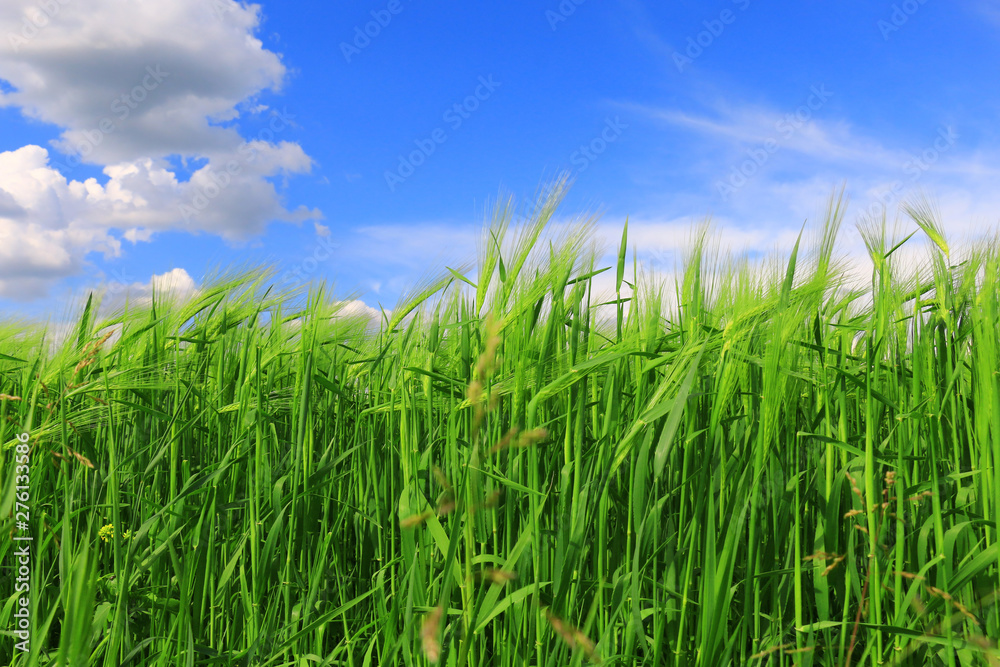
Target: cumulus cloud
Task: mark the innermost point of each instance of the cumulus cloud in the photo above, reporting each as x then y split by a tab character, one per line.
160	71
132	84
357	308
174	284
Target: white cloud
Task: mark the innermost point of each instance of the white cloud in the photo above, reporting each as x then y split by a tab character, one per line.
801	130
112	295
159	71
175	284
814	153
175	281
661	240
357	308
132	83
48	224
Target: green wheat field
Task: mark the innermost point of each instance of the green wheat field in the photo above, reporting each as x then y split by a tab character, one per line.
764	465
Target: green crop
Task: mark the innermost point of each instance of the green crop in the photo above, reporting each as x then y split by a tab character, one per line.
768	467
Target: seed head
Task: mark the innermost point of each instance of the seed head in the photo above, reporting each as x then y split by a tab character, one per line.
415	519
499	577
572	636
429	632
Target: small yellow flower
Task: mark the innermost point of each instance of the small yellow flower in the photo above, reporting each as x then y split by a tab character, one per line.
107	533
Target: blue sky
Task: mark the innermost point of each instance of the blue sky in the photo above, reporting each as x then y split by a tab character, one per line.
143	142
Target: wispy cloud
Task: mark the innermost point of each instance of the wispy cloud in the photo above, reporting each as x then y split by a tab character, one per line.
819	155
797	130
